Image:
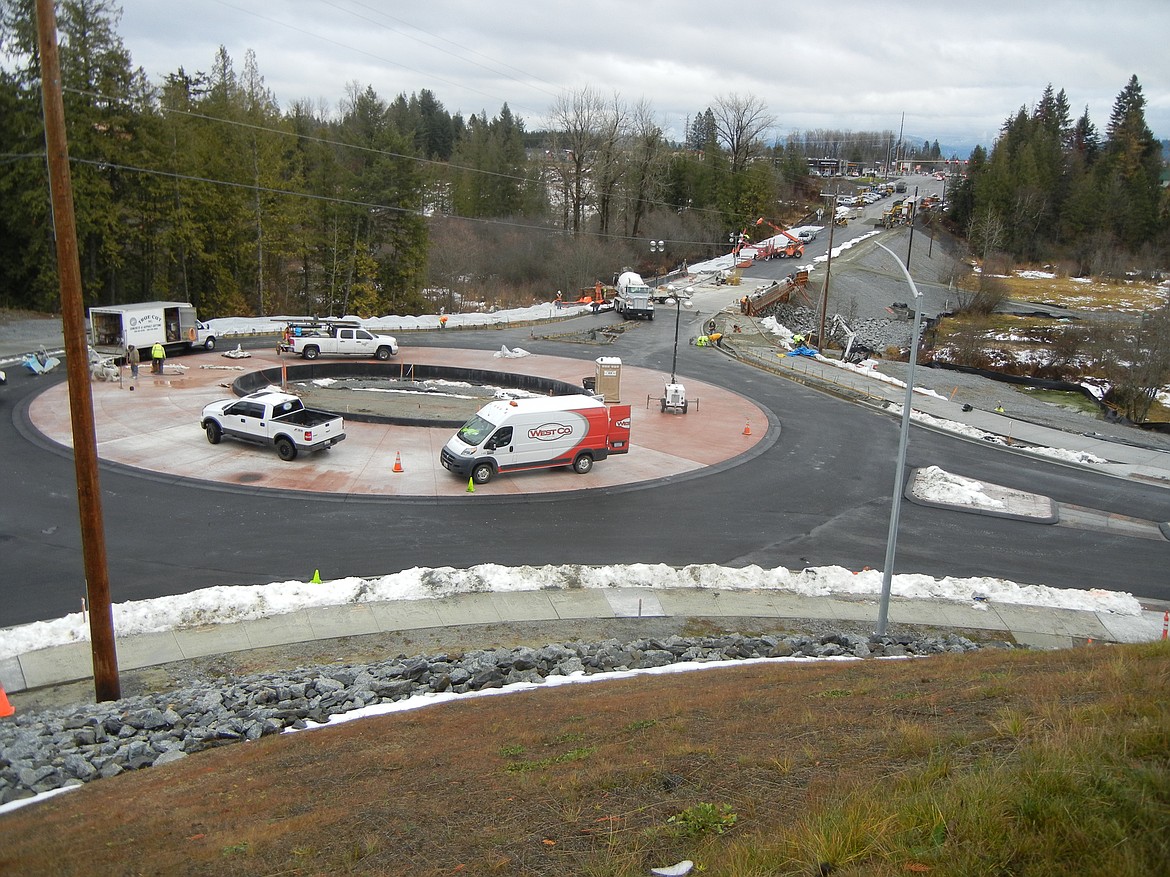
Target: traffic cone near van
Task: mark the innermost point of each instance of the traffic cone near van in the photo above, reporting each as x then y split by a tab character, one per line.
471	485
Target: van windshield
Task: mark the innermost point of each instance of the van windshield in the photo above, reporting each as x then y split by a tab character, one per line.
475	431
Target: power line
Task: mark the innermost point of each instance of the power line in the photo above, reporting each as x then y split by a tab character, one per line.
252	126
350	202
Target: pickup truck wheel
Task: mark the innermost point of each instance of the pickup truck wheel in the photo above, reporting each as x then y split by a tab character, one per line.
382	353
482	473
311	352
209	344
583	464
214	433
286	450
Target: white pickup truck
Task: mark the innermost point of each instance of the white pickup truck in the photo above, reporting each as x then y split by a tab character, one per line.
337	340
269	417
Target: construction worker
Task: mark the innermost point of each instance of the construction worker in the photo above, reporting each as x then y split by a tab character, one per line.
798	340
132	360
158	355
443	322
999	408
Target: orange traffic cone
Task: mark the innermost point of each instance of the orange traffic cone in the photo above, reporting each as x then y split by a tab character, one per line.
397	461
747	428
5	707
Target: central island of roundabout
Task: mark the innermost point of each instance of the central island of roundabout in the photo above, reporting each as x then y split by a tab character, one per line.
393	444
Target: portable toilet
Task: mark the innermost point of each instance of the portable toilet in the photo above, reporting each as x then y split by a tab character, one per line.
608	381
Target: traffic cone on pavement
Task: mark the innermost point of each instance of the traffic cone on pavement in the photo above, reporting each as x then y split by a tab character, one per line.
747	428
316	579
5	707
397	461
471	485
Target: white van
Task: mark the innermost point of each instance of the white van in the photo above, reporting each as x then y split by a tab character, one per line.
538	433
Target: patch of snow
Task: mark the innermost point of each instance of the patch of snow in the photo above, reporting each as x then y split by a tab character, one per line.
938	485
226	604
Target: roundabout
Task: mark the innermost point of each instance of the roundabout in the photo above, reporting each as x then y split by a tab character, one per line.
155	429
720	484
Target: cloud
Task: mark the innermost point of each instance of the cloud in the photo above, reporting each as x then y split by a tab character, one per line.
956	71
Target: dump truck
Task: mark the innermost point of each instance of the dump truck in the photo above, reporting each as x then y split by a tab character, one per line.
777	292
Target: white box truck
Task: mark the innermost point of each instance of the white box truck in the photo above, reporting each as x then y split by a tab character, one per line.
511	435
171	323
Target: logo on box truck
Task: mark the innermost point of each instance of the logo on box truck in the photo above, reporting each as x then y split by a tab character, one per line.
146	321
624	423
547	432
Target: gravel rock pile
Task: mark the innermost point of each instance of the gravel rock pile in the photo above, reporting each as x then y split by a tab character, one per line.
76	744
876	334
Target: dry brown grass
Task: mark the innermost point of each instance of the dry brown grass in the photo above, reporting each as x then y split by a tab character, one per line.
1123	297
877	767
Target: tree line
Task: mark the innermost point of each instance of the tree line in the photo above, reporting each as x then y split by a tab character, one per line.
1053	189
202	188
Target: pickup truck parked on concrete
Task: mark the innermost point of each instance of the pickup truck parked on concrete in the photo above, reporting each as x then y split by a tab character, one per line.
342	339
269	417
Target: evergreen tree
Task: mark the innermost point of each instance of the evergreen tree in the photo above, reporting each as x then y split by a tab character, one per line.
1133	163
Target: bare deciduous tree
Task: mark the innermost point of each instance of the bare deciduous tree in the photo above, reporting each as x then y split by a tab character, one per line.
1135	357
740	123
578	119
646	164
611	162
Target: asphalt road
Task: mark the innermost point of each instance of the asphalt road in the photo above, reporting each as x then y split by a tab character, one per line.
817	495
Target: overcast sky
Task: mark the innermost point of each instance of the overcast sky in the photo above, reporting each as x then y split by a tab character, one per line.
956	70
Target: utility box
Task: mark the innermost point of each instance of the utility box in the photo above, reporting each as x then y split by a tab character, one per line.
608	381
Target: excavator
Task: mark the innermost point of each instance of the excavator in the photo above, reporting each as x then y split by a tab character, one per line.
793	249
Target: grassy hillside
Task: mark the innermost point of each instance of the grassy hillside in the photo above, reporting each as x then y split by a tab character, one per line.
986	763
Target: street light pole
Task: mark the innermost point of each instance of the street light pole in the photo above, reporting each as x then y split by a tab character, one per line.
896	508
657	247
677	314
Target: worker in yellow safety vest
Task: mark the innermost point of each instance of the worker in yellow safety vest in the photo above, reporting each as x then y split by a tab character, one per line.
158	353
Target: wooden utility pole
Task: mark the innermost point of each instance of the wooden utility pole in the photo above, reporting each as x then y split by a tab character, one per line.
828	268
89	497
